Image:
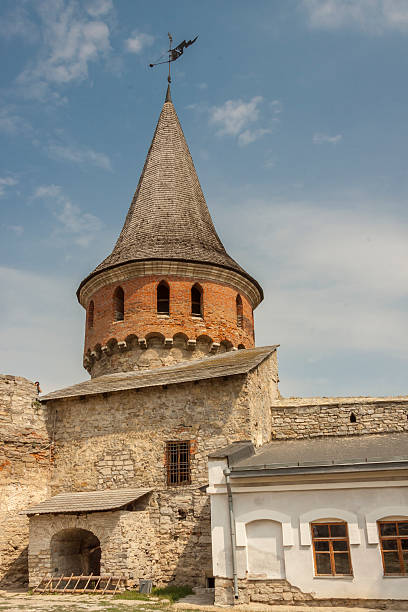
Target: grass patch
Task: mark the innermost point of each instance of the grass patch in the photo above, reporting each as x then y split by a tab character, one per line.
173	593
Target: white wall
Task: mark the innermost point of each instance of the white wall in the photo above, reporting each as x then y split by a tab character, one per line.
290	507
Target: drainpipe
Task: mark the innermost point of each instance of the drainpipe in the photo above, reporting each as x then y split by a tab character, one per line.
227	473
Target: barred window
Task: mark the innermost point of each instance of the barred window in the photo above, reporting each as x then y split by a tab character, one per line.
238	303
178	462
91	311
331	549
394	546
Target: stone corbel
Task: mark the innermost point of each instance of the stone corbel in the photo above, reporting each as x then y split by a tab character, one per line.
105	349
122	345
168	342
215	347
142	343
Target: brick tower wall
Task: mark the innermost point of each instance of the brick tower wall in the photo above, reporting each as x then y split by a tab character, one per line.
147	339
24	472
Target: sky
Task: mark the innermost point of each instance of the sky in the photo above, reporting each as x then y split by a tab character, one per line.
295	113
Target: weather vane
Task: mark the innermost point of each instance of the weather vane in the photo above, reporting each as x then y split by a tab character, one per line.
173	53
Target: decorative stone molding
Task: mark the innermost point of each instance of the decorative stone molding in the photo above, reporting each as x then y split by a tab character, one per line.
122	345
264	515
168	342
328	513
143	343
381	513
215	347
191	344
194	271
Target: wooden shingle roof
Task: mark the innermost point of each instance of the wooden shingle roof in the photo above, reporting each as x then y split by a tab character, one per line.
168	218
226	364
87	501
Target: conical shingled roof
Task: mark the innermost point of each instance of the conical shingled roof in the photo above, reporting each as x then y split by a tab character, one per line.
168	217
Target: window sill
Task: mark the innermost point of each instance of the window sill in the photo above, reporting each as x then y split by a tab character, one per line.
395	576
163	316
345	577
121	321
197	317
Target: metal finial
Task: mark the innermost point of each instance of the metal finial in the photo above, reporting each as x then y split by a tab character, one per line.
168	94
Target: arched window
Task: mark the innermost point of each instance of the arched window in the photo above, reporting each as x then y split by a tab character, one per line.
91	310
163	298
197	301
239	310
118	304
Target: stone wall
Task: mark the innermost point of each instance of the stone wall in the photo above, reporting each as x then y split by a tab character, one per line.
24	472
218	323
296	418
118	440
281	592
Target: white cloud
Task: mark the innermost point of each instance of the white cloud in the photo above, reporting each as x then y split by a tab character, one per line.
374	16
320	138
241	119
71	42
73	222
7	181
18	230
138	41
79	155
96	8
17	23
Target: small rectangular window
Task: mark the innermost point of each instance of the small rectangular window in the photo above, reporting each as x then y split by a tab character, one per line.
178	462
331	549
394	547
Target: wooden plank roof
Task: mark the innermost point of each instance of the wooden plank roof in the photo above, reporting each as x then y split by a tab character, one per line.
226	364
86	501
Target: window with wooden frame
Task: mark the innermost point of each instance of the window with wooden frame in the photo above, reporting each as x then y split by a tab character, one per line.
394	546
178	462
331	549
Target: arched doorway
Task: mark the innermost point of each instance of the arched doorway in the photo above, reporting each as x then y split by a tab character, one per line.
75	551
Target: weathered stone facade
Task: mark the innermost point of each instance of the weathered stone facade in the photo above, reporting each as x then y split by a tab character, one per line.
321	416
25	456
119	440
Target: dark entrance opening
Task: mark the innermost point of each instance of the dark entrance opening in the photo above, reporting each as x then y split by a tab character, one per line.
75	551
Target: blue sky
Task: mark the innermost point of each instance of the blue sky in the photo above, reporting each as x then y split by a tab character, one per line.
296	116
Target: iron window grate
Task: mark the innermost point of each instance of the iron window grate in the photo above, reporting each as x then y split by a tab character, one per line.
178	462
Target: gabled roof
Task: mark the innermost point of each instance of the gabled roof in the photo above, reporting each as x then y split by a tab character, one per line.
168	218
87	501
227	364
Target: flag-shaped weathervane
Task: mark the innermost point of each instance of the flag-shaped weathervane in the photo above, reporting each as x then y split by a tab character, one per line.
174	53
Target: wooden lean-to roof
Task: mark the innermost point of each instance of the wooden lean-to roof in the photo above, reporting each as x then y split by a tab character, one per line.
226	364
168	218
87	501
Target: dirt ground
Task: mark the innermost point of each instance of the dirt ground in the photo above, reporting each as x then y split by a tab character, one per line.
22	602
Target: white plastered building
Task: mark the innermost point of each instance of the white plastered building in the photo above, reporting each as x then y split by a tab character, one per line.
310	519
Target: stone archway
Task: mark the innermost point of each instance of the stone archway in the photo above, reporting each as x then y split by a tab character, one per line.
75	551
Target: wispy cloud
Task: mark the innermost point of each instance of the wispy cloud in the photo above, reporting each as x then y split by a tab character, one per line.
373	16
79	155
18	230
17	23
11	122
73	222
239	119
320	138
138	41
73	38
5	182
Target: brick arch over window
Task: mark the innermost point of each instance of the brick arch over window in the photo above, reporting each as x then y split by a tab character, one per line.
118	304
163	298
91	314
240	310
197	300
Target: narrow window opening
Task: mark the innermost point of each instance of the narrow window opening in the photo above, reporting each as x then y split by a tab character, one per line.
118	304
331	549
91	311
210	582
178	462
239	311
197	301
163	298
353	418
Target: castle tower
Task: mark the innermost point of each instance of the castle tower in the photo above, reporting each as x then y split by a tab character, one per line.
169	291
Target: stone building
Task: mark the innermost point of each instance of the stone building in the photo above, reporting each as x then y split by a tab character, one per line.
111	475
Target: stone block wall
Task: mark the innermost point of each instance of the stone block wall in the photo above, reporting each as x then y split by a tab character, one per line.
296	418
119	439
24	472
115	345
